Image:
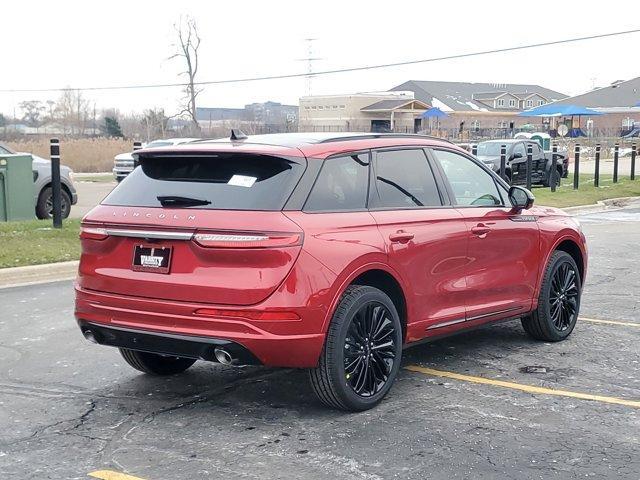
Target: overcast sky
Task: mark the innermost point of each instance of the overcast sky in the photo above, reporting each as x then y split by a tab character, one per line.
87	43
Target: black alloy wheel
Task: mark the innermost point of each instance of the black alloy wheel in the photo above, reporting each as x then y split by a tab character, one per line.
362	351
369	349
563	297
559	301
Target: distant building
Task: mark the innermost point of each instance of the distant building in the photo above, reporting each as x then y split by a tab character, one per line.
480	107
255	117
362	112
620	101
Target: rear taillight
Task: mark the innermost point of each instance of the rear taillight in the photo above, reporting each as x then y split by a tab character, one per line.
247	240
92	233
265	316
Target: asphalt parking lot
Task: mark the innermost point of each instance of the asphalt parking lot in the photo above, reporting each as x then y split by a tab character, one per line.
90	194
487	404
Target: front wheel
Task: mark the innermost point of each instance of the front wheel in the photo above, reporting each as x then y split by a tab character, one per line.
362	351
44	206
155	364
558	302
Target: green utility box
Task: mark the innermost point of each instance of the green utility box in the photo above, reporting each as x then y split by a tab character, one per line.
17	200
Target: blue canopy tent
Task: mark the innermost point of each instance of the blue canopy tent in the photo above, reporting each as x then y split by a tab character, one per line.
434	112
551	110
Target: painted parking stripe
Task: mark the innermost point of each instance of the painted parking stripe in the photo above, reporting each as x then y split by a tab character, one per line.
523	387
111	475
610	322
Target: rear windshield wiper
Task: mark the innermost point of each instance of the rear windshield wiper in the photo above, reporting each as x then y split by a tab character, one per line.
175	201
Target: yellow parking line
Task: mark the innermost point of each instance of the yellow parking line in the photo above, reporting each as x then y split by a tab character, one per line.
610	322
111	475
523	387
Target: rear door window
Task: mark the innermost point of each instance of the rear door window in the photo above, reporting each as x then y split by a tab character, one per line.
223	181
341	185
404	179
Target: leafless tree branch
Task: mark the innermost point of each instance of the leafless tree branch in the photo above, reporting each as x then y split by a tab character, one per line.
188	47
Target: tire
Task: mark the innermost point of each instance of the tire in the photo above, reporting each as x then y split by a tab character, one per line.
155	364
44	206
366	384
558	302
548	180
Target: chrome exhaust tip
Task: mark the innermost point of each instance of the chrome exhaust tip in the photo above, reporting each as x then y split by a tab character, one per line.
223	356
88	334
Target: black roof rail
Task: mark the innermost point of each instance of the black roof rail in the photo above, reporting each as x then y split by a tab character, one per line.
383	135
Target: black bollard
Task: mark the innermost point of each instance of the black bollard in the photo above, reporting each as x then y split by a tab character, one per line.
576	167
529	165
596	178
474	149
56	187
503	162
632	175
616	153
553	174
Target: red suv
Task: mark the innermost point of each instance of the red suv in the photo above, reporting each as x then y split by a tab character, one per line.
330	252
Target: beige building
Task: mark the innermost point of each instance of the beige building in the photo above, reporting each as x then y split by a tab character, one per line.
362	112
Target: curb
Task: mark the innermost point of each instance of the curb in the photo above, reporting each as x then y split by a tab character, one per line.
602	205
35	274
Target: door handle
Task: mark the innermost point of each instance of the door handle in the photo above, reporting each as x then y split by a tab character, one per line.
401	237
480	230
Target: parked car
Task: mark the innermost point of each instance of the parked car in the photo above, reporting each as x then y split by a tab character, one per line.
329	252
516	166
42	186
123	162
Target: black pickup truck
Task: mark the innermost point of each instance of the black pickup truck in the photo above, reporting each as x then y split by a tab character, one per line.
516	165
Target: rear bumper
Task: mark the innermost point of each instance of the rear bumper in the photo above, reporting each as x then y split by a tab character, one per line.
171	327
201	348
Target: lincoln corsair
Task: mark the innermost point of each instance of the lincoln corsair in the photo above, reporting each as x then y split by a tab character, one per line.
329	252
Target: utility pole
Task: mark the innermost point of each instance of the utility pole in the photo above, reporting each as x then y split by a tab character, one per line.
309	59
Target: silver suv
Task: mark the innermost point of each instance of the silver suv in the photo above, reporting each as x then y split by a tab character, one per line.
123	162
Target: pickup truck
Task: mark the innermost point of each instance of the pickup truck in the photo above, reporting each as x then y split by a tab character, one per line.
516	165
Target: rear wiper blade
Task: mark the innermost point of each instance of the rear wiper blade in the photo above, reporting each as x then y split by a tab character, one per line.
170	200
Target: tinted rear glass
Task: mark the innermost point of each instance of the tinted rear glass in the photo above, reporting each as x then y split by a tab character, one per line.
341	185
228	181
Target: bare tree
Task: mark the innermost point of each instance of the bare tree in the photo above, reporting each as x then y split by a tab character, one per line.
72	110
155	123
32	112
187	48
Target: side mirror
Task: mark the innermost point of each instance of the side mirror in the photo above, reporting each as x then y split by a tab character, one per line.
516	155
521	198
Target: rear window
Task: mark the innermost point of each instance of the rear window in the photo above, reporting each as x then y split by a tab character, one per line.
225	181
341	185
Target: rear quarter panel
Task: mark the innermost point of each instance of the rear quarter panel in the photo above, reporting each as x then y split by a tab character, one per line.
347	244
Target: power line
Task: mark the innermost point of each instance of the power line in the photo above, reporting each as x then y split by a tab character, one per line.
332	72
